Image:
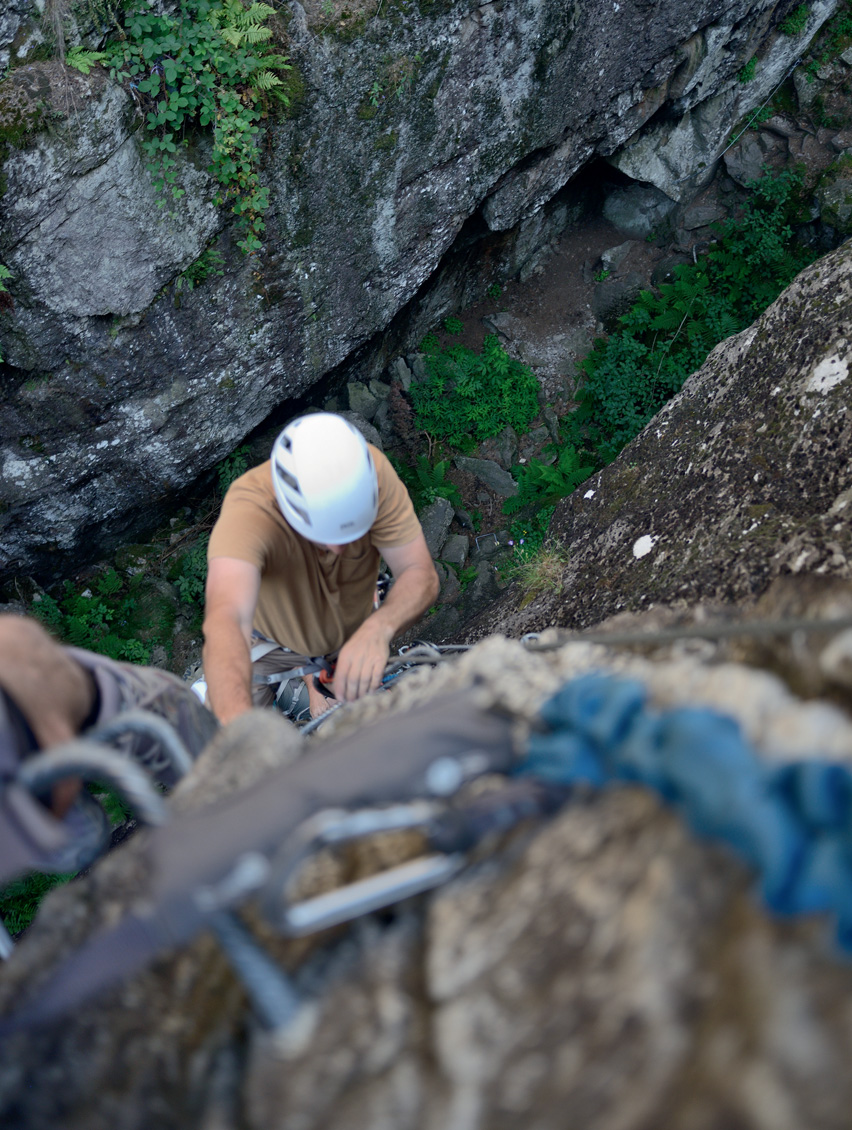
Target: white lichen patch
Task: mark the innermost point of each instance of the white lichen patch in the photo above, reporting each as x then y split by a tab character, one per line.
829	373
643	546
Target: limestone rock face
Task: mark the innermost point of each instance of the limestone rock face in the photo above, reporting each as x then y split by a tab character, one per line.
123	386
746	475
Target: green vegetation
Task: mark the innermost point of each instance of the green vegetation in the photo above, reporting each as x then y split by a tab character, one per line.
542	570
425	482
209	264
747	72
210	65
667	334
20	899
232	466
835	37
796	22
126	612
541	485
105	617
470	396
5	297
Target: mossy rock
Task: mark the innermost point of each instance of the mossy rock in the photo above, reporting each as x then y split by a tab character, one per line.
835	202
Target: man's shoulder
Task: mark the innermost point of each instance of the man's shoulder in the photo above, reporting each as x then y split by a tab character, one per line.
256	481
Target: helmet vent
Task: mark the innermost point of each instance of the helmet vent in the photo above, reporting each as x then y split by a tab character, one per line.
291	480
303	514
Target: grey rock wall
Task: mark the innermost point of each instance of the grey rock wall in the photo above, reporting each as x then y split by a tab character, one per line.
121	389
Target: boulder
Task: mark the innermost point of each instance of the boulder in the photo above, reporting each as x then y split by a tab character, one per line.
612	298
834	197
362	400
489	473
638	210
436	520
456	549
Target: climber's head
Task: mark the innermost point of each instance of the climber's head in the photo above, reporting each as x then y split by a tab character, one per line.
324	479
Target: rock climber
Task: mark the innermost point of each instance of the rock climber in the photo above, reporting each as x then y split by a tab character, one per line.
50	694
293	562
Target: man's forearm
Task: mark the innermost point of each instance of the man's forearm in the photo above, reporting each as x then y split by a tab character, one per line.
227	668
412	592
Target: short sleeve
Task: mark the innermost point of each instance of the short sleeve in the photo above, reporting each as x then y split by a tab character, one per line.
396	523
246	527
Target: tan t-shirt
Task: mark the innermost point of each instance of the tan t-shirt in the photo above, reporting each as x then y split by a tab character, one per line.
311	600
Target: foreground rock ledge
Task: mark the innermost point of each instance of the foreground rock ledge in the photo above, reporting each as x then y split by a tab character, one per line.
604	969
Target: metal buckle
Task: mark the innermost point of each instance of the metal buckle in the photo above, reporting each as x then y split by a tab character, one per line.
336	826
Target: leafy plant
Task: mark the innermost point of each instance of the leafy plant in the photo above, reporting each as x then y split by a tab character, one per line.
747	72
192	576
211	64
453	325
602	275
83	60
494	291
102	617
541	485
470	396
426	482
375	93
209	264
667	334
796	22
432	481
232	466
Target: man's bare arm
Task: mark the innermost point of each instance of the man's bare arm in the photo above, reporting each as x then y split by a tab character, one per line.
229	605
363	657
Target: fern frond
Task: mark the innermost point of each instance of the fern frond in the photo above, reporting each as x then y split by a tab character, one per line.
265	80
82	60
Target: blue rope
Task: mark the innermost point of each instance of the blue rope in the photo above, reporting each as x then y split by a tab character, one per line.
792	823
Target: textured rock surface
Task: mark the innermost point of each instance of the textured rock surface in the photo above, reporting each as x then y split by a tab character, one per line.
744	476
484	111
678	154
606	963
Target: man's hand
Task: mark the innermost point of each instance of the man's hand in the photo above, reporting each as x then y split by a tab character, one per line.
362	659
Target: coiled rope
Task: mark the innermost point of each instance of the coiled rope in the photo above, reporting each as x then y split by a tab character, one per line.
792	823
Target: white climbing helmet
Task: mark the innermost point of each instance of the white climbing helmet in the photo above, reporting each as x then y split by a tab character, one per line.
324	479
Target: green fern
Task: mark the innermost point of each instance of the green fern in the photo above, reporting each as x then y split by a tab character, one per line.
82	60
470	396
540	485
